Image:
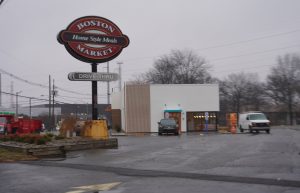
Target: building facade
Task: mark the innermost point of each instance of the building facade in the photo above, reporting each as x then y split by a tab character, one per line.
193	106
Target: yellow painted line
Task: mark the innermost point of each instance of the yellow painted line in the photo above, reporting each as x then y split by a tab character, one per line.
95	187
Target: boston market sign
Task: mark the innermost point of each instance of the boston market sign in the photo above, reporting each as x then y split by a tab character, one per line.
93	39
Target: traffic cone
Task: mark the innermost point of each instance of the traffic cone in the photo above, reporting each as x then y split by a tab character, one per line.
233	129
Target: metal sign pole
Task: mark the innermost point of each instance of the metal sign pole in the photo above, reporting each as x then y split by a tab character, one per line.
94	94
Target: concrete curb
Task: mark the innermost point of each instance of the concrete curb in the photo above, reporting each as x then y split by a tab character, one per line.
60	149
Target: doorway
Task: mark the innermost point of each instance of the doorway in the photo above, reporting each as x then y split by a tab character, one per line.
176	115
201	121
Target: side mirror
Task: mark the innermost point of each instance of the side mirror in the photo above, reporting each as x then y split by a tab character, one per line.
247	118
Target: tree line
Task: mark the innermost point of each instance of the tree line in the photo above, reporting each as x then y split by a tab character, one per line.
239	92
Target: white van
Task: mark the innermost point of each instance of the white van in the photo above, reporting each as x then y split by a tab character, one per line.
254	121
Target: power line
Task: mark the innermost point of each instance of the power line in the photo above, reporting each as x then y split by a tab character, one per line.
249	40
69	91
249	67
228	44
255	53
223	65
62	96
241	55
37	84
227	57
23	80
7	93
11	94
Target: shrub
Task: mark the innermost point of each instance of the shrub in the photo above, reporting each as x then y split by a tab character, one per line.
3	138
29	139
50	135
47	138
58	137
118	128
20	139
41	141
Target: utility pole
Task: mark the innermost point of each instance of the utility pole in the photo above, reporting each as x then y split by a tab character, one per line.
12	96
50	93
30	107
0	91
120	76
53	115
17	108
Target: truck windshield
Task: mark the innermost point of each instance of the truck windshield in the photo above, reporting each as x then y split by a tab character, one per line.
257	117
168	122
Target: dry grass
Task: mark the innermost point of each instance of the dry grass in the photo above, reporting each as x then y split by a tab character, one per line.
11	156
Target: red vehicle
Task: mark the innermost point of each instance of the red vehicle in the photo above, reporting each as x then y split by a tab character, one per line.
10	124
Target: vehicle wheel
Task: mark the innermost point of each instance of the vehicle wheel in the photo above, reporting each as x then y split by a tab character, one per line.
241	129
268	131
176	133
250	129
159	133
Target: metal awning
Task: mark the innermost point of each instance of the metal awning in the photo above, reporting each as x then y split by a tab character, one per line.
173	110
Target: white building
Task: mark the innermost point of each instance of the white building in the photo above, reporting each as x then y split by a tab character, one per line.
194	106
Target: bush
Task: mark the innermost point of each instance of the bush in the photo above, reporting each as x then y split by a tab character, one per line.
118	128
50	135
27	138
20	139
47	138
41	141
3	138
58	137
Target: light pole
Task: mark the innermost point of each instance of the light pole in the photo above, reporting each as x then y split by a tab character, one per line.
17	94
120	75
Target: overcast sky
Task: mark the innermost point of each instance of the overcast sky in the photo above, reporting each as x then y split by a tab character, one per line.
232	35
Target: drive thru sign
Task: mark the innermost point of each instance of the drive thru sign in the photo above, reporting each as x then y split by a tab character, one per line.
92	76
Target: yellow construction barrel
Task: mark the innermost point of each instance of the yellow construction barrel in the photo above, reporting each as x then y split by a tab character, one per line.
96	129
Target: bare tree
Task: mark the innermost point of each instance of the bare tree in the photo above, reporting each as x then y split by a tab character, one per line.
256	98
179	67
241	92
283	83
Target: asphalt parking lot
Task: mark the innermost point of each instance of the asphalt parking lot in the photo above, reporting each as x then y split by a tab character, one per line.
209	162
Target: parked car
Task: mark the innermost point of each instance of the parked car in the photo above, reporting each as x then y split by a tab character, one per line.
254	121
168	126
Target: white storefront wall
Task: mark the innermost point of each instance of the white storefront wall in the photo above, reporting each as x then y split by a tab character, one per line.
117	102
184	97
